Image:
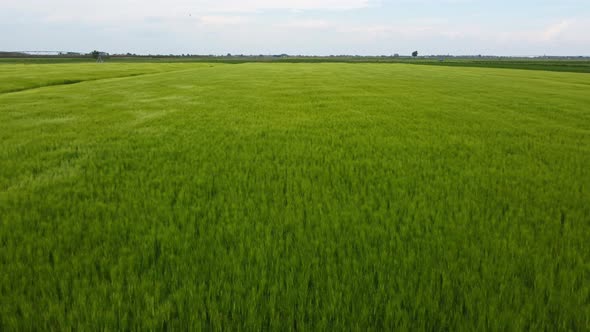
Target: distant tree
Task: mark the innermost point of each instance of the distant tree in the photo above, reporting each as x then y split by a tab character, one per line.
95	54
415	54
396	55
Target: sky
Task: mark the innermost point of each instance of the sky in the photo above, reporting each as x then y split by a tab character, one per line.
299	27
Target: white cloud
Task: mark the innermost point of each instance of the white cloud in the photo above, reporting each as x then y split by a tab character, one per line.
256	5
307	24
109	10
555	30
565	30
223	20
573	30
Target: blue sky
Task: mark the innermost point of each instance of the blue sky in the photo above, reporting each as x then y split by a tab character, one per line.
310	27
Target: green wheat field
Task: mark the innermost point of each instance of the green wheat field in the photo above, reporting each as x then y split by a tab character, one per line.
293	196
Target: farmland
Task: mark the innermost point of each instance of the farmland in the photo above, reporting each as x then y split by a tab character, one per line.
573	65
293	196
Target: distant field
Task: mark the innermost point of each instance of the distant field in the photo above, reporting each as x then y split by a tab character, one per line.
574	66
563	65
293	197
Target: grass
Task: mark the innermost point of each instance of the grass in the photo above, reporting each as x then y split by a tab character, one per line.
295	197
579	65
31	76
573	66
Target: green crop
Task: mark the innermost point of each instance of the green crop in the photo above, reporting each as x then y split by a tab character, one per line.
574	65
293	197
